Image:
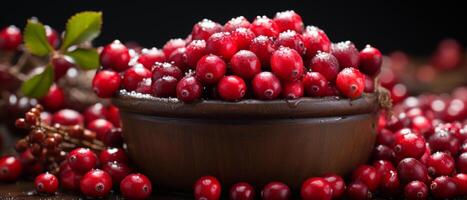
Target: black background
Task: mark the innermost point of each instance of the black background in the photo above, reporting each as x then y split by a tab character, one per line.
415	27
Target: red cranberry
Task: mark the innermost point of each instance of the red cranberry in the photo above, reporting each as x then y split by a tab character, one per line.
96	183
136	186
263	47
235	23
204	29
463	148
82	160
150	56
95	111
222	44
52	36
133	76
346	53
390	185
10	168
461	182
416	190
369	85
293	90
410	169
292	40
276	191
421	124
243	37
242	191
262	25
337	185
443	187
178	58
462	163
245	64
440	163
326	64
165	87
115	56
382	152
67	117
46	183
398	93
409	145
367	175
289	20
106	83
358	191
287	64
166	69
210	69
54	99
385	137
10	38
315	84
113	115
194	51
172	45
316	188
118	171
444	141
189	89
207	187
113	138
383	166
449	55
350	82
69	180
144	86
231	88
266	86
371	60
101	127
113	154
61	65
315	40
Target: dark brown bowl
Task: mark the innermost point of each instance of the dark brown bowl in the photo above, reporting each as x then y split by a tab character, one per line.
253	141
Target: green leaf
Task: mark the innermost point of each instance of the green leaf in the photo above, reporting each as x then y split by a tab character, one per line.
82	27
85	58
35	39
38	85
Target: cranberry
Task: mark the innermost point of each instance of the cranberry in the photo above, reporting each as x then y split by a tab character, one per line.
409	145
266	86
150	56
113	154
276	191
245	64
358	191
96	183
346	53
326	64
421	124
316	188
207	187
367	175
95	111
382	152
410	169
10	168
287	64
463	148
136	186
69	179
314	84
82	160
242	191
204	29
118	171
165	87
385	137
172	45
115	56
54	99
390	184
263	47
440	163
262	25
133	76
292	40
369	85
113	115
166	69
371	60
222	44
46	183
210	69
293	90
337	185
350	82
101	127
444	141
243	37
315	40
398	93
235	23
461	182
231	88
416	190
106	83
113	138
189	89
52	36
449	55
443	187
383	166
10	38
67	117
462	163
289	20
61	65
194	51
178	58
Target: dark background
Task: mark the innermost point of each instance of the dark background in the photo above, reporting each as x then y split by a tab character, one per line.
415	27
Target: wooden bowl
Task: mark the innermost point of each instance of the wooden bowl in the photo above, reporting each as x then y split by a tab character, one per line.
253	141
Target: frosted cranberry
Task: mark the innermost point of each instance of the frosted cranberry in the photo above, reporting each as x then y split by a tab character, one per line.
194	51
235	23
67	117
371	60
337	185
461	182
276	191
266	86
383	166
382	152
204	29
133	76
350	82
242	191
61	65
96	183
210	69
367	175
166	69
10	38
385	137
416	190
10	168
113	138
369	85
178	58
118	171
293	90
289	20
46	183
189	89
52	36
207	187
315	84
243	37
245	64
409	145
462	163
410	169
145	86
222	44
287	64
95	111
443	187
316	188
54	99
150	56
231	88
315	40
444	141
398	93
106	83
390	185
172	45
358	191
101	127
326	64
292	40
263	47
136	186
115	56
262	25
113	154
69	179
165	87
346	53
82	160
440	163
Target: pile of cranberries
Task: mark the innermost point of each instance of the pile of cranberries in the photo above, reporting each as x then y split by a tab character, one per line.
265	59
